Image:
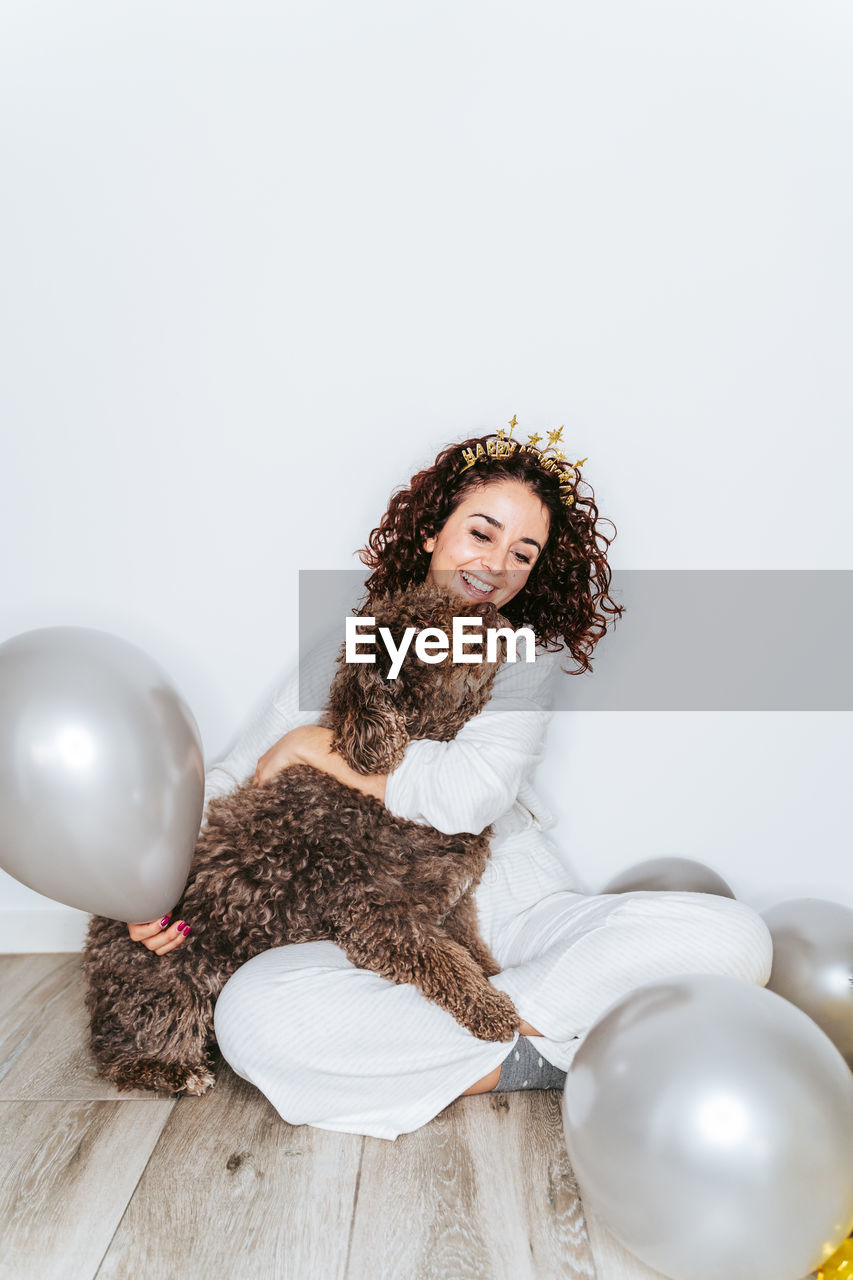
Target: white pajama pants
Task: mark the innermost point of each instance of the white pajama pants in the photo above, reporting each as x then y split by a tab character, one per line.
343	1048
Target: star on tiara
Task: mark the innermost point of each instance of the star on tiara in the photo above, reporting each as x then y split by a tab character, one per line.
550	458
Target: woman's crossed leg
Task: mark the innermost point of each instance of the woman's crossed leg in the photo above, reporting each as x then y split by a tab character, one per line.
343	1048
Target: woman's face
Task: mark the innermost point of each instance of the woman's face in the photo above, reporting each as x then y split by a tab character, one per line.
488	547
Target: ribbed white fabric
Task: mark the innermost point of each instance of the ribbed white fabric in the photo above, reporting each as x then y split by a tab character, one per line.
342	1048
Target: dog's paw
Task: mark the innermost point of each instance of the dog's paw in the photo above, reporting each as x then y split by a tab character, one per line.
197	1080
492	1017
171	1077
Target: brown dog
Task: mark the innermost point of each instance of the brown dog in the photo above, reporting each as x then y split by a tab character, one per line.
306	857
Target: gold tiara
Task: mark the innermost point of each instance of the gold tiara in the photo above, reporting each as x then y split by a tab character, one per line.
550	458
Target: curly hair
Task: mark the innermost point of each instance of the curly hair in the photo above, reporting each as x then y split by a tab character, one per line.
566	597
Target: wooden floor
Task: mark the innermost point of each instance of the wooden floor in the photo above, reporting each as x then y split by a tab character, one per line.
107	1185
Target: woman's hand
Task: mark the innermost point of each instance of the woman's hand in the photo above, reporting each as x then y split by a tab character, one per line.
158	935
309	740
312	744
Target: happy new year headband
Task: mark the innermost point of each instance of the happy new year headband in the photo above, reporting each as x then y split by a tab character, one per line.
550	458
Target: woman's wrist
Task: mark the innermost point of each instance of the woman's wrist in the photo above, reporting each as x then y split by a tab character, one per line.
310	744
314	746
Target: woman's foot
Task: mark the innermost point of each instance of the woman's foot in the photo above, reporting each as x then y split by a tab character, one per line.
525	1068
488	1082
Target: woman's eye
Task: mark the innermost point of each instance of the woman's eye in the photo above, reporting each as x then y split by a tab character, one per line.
484	537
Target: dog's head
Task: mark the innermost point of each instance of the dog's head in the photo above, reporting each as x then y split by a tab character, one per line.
373	716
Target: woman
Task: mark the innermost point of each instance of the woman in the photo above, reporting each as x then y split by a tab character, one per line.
343	1048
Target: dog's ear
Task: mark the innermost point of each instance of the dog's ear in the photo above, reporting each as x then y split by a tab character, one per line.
370	732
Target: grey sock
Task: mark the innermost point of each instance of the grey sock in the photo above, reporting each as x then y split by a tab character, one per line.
525	1068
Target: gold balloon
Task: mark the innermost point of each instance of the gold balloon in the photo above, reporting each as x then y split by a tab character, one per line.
840	1265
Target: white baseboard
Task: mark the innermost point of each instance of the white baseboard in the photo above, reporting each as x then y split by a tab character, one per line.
23	931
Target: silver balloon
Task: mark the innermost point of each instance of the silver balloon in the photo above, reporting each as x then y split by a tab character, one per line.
101	773
680	874
813	963
710	1126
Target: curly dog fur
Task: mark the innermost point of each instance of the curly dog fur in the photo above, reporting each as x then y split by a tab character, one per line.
306	857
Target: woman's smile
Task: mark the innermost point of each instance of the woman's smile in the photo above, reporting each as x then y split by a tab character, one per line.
476	587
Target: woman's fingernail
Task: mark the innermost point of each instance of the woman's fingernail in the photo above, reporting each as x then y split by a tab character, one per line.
187	928
165	921
180	926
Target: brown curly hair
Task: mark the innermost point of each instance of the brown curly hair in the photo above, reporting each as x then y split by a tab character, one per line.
566	596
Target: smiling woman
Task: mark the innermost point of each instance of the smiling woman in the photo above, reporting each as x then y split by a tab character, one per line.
341	1047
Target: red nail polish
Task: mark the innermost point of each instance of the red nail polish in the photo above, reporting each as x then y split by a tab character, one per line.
165	921
186	929
180	926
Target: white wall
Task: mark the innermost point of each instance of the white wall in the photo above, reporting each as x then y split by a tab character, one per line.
261	261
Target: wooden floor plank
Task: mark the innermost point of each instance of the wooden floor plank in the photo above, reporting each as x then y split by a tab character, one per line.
233	1190
44	1046
484	1191
20	973
29	984
523	1172
69	1170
